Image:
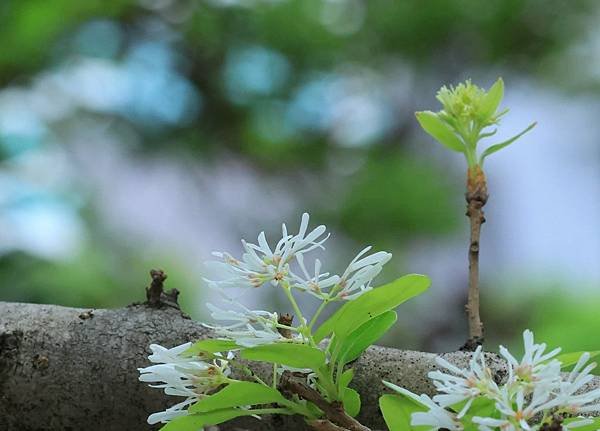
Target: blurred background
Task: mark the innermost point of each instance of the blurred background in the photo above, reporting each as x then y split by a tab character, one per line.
137	134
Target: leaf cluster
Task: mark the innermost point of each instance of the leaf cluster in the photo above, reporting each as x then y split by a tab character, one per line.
468	113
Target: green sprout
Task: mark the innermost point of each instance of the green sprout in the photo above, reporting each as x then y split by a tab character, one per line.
468	113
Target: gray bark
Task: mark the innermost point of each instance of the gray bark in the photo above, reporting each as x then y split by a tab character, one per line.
63	369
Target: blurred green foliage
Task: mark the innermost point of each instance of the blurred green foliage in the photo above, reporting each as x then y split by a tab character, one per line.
412	197
264	83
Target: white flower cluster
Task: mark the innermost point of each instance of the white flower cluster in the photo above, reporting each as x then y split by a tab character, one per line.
183	376
535	390
248	328
260	264
193	377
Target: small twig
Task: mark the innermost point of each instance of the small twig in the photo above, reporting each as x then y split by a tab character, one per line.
334	411
476	196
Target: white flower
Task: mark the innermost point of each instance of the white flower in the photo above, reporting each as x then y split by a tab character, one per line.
464	384
570	398
161	354
487	424
536	367
517	411
261	264
317	284
182	376
171	413
535	388
436	417
249	328
361	271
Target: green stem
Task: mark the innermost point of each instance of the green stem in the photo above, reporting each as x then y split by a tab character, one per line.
317	313
250	373
471	157
291	328
338	375
271	411
327	383
288	292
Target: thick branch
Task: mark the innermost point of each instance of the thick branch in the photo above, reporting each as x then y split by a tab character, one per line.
60	371
334	411
476	196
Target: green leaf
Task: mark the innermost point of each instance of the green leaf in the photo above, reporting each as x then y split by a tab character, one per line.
365	335
397	411
570	359
492	100
498	147
371	304
238	394
594	426
440	131
487	135
481	406
195	422
290	354
351	401
346	378
413	398
211	346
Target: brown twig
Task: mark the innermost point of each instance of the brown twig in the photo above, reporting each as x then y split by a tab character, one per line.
334	411
285	319
477	196
555	424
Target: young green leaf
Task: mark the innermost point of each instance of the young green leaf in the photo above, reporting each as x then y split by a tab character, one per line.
570	359
238	394
365	335
195	422
345	379
397	411
351	401
492	100
498	147
211	346
439	130
593	426
481	406
371	304
290	354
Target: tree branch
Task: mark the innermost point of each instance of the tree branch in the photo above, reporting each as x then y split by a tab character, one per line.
59	371
324	425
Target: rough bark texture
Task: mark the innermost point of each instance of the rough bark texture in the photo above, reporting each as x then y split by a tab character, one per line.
68	369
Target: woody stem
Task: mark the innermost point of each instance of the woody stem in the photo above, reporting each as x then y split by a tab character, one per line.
476	197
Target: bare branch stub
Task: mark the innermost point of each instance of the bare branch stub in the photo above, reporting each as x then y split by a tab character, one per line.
285	319
476	196
155	294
